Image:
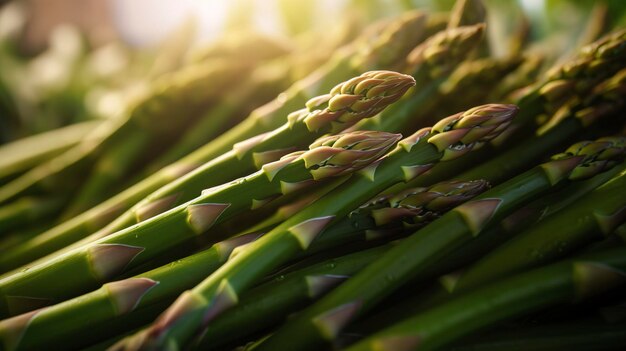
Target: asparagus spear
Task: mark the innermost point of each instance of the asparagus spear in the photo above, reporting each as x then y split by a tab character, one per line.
402	212
360	97
193	86
271	115
270	303
265	82
194	310
23	154
358	57
572	119
576	336
414	206
467	12
104	259
570	81
430	64
184	94
600	211
519	295
114	302
425	247
27	210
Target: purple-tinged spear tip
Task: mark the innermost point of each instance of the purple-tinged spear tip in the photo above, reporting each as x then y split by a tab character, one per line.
351	101
460	133
420	206
593	157
344	153
443	51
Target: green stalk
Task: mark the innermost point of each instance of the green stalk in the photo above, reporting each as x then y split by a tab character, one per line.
21	155
372	50
388	216
600	211
467	12
325	319
27	210
430	64
577	336
349	102
114	303
519	295
55	174
103	260
270	303
468	253
419	205
183	94
270	116
572	120
264	83
168	96
196	308
570	81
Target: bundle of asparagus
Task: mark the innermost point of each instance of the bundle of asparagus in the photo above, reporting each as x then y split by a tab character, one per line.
410	187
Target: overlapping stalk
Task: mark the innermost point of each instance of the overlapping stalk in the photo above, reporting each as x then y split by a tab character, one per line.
27	210
115	302
195	309
599	212
19	156
429	63
264	83
571	81
325	319
344	65
403	212
519	295
359	56
604	102
414	207
103	260
348	103
193	86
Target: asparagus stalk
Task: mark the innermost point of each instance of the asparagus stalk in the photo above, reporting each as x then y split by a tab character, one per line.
405	211
271	115
349	102
270	303
567	122
417	206
104	259
184	94
572	119
430	64
195	309
572	80
467	12
519	295
28	210
23	154
264	83
325	319
600	211
358	57
193	86
578	336
114	302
